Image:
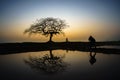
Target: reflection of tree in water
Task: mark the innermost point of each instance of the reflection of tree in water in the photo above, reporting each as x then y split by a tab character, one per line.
92	58
48	64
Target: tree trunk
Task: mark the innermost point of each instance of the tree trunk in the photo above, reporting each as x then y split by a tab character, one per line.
51	55
51	35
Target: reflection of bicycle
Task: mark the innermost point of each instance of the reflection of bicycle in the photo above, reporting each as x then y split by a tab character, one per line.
92	58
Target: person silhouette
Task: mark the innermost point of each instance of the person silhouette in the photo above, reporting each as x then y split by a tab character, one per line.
92	58
66	39
92	42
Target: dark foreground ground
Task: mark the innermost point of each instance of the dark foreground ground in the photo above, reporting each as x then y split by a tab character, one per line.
10	48
71	65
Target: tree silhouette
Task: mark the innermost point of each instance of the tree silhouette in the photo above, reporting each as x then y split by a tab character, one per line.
47	27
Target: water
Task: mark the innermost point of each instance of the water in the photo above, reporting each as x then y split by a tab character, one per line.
60	65
116	47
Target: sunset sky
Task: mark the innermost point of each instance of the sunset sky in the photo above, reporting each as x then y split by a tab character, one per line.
99	18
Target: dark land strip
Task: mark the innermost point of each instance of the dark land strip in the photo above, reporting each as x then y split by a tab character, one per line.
12	48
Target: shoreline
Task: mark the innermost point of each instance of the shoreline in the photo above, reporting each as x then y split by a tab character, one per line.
12	48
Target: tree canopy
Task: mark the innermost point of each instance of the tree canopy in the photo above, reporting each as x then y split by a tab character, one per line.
47	27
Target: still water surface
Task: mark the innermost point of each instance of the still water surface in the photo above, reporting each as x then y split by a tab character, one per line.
60	65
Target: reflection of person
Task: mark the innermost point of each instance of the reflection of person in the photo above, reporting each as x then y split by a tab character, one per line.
92	58
92	42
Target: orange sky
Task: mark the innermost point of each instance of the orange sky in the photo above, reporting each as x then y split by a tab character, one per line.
84	18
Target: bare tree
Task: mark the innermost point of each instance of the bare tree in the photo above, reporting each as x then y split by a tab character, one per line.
47	27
